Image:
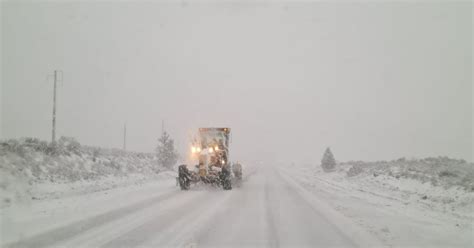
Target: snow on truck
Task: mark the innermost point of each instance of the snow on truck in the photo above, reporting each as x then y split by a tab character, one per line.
211	151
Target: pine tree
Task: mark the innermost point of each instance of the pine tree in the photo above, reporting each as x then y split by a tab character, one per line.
328	162
165	151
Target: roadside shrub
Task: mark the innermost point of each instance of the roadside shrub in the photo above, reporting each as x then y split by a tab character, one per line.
447	173
67	160
68	145
95	154
467	182
354	171
14	146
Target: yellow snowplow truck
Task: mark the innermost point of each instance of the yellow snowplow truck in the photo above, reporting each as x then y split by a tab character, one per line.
211	151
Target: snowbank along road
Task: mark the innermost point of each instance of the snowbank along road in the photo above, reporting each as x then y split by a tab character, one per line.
267	210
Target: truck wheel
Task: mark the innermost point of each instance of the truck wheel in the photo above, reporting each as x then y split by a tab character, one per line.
183	175
183	183
227	184
225	177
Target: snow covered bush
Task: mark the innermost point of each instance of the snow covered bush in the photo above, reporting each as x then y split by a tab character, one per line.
328	162
438	171
35	160
29	164
354	171
165	151
68	145
447	173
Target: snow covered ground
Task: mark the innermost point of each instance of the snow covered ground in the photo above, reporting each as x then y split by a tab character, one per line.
35	217
402	212
268	209
277	205
31	170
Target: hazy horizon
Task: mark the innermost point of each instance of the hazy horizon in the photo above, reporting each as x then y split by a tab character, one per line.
376	81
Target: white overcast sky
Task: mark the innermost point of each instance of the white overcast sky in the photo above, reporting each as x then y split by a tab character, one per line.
371	80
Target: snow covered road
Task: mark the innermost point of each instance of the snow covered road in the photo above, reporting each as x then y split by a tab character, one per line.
267	210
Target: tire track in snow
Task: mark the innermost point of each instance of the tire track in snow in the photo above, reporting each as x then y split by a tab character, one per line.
356	236
112	231
182	233
163	225
180	226
59	234
272	234
225	216
229	226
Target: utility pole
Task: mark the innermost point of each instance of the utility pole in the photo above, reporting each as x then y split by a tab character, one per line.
56	79
125	136
53	139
